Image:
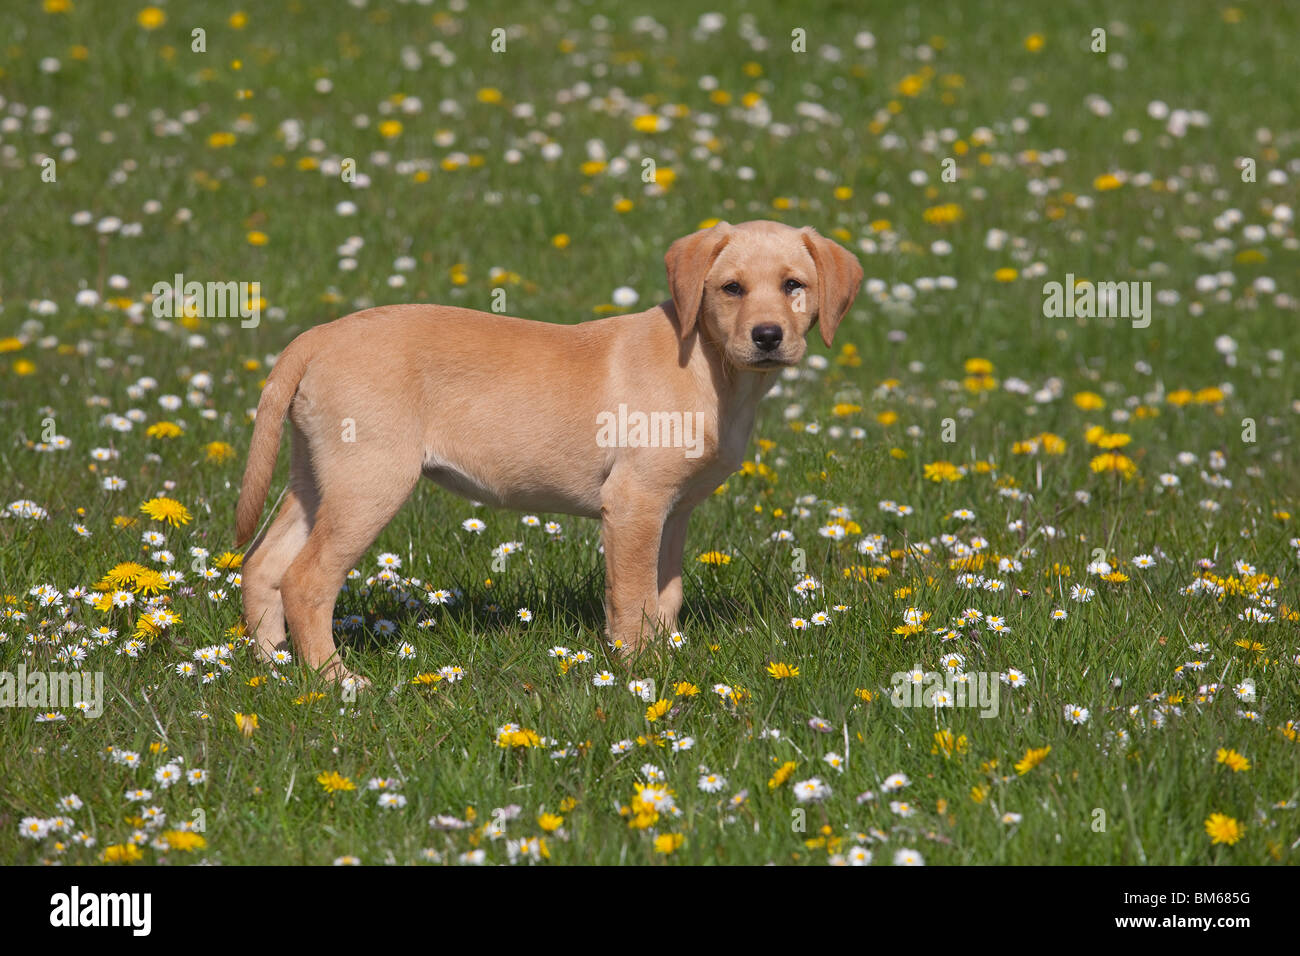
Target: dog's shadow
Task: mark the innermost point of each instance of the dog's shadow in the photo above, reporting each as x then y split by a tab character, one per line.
556	601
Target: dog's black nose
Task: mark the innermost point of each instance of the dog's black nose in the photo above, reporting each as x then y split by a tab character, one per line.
767	337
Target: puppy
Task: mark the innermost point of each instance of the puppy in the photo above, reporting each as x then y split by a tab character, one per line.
633	419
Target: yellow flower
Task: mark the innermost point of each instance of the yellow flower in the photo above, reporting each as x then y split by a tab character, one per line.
657	710
390	129
1233	759
668	842
257	238
519	738
843	193
57	6
1034	42
489	94
780	671
184	841
1089	401
1114	461
560	240
864	695
939	471
427	679
247	723
1223	829
1209	396
714	558
947	744
163	430
646	123
911	85
1179	397
334	781
122	853
10	344
1106	183
887	418
978	794
151	18
1052	444
783	773
238	20
685	689
219	451
24	367
1032	758
1006	274
167	509
550	822
943	214
844	409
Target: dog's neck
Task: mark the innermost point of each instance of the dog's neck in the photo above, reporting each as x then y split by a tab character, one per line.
739	390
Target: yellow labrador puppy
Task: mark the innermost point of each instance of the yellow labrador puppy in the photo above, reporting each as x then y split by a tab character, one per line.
633	419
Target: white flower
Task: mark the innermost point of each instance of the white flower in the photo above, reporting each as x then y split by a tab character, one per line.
1076	714
895	781
812	789
712	782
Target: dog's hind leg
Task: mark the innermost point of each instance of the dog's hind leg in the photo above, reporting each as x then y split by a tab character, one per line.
356	503
270	556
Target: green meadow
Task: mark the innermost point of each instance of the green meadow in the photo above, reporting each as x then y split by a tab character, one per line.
1009	575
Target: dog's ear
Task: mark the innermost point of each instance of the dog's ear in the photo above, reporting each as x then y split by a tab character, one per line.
838	276
688	261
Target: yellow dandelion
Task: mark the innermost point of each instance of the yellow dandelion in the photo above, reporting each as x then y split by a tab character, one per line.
1235	761
1032	758
333	782
167	509
151	18
1223	829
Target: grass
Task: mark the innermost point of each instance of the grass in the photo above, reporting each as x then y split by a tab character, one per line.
228	161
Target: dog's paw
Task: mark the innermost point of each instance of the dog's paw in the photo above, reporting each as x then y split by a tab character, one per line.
349	684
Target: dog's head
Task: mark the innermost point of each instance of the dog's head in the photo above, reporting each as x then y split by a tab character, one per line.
755	289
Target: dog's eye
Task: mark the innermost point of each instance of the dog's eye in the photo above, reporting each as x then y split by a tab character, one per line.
791	286
732	288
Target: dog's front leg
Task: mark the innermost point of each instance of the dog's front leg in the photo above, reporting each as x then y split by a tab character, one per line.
671	548
632	523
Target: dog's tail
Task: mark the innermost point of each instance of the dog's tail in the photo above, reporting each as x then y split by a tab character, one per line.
281	385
